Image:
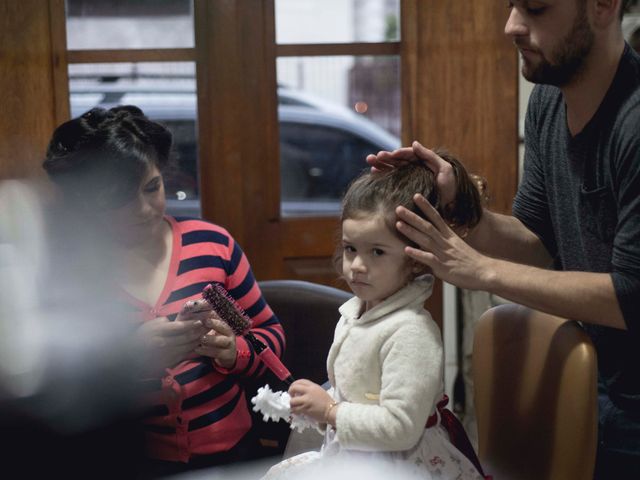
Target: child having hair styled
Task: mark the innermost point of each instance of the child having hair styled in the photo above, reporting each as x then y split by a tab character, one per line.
385	365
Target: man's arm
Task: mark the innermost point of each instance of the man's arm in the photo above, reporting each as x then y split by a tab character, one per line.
506	237
588	297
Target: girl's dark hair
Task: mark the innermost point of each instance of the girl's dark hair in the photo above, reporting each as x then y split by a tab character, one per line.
101	157
383	191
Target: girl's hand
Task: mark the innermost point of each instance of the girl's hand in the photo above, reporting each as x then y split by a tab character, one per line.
310	399
219	343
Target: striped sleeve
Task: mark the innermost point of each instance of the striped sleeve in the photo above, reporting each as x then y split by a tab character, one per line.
242	286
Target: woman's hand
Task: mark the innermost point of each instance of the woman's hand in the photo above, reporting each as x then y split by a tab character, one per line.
442	170
166	343
311	399
219	343
449	256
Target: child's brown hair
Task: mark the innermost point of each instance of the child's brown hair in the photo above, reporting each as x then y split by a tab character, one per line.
383	191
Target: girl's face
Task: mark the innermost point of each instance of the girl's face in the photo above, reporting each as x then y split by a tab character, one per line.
373	260
141	219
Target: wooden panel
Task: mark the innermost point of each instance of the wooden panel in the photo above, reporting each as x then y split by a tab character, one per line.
26	82
326	49
461	87
459	82
132	55
238	134
314	237
317	270
59	60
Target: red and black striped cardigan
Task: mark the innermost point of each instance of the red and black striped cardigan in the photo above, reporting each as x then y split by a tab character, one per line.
198	408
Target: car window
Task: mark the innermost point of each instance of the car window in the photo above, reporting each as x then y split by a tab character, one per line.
321	151
181	179
318	162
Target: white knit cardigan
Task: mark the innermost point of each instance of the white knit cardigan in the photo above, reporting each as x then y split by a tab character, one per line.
387	365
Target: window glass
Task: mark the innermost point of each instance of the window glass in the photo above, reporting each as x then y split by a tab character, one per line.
166	93
333	112
337	21
317	164
126	24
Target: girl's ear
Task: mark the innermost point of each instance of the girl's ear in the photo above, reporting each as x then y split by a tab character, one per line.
418	268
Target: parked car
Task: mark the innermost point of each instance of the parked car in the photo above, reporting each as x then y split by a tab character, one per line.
322	145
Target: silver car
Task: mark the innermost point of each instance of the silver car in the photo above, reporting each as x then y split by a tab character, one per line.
322	146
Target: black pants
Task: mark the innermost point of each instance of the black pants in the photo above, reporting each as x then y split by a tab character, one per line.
618	441
243	451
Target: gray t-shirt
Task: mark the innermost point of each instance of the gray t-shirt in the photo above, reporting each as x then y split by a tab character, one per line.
581	196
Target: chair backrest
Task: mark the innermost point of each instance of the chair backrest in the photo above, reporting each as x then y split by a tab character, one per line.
535	395
308	313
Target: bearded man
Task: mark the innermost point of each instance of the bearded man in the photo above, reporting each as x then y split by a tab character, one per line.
572	246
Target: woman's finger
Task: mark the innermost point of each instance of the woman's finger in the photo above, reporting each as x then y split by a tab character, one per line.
219	326
191	338
194	310
176	328
221	342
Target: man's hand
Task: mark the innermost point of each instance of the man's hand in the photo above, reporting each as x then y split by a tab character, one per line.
449	257
442	170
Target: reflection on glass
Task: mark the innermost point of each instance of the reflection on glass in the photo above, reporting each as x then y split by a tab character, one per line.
126	24
337	21
166	92
333	112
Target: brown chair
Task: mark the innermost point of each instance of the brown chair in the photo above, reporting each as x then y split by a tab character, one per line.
535	395
308	313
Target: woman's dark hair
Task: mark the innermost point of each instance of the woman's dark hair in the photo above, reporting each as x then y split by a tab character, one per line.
383	191
101	157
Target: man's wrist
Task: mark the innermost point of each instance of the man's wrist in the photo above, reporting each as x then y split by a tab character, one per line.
489	274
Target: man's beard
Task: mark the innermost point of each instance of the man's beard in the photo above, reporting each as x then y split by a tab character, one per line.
568	57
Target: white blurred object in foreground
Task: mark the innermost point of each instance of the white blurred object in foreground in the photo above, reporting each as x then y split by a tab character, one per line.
65	345
21	259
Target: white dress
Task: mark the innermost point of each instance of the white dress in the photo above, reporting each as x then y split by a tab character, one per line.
386	368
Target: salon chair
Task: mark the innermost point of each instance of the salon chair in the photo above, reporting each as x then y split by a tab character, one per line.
308	313
535	395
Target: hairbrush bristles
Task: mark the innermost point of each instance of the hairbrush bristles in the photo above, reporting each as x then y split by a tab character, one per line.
227	309
233	315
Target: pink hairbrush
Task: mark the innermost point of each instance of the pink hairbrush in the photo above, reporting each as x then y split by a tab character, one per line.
233	315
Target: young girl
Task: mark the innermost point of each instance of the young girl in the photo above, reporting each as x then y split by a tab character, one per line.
386	361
